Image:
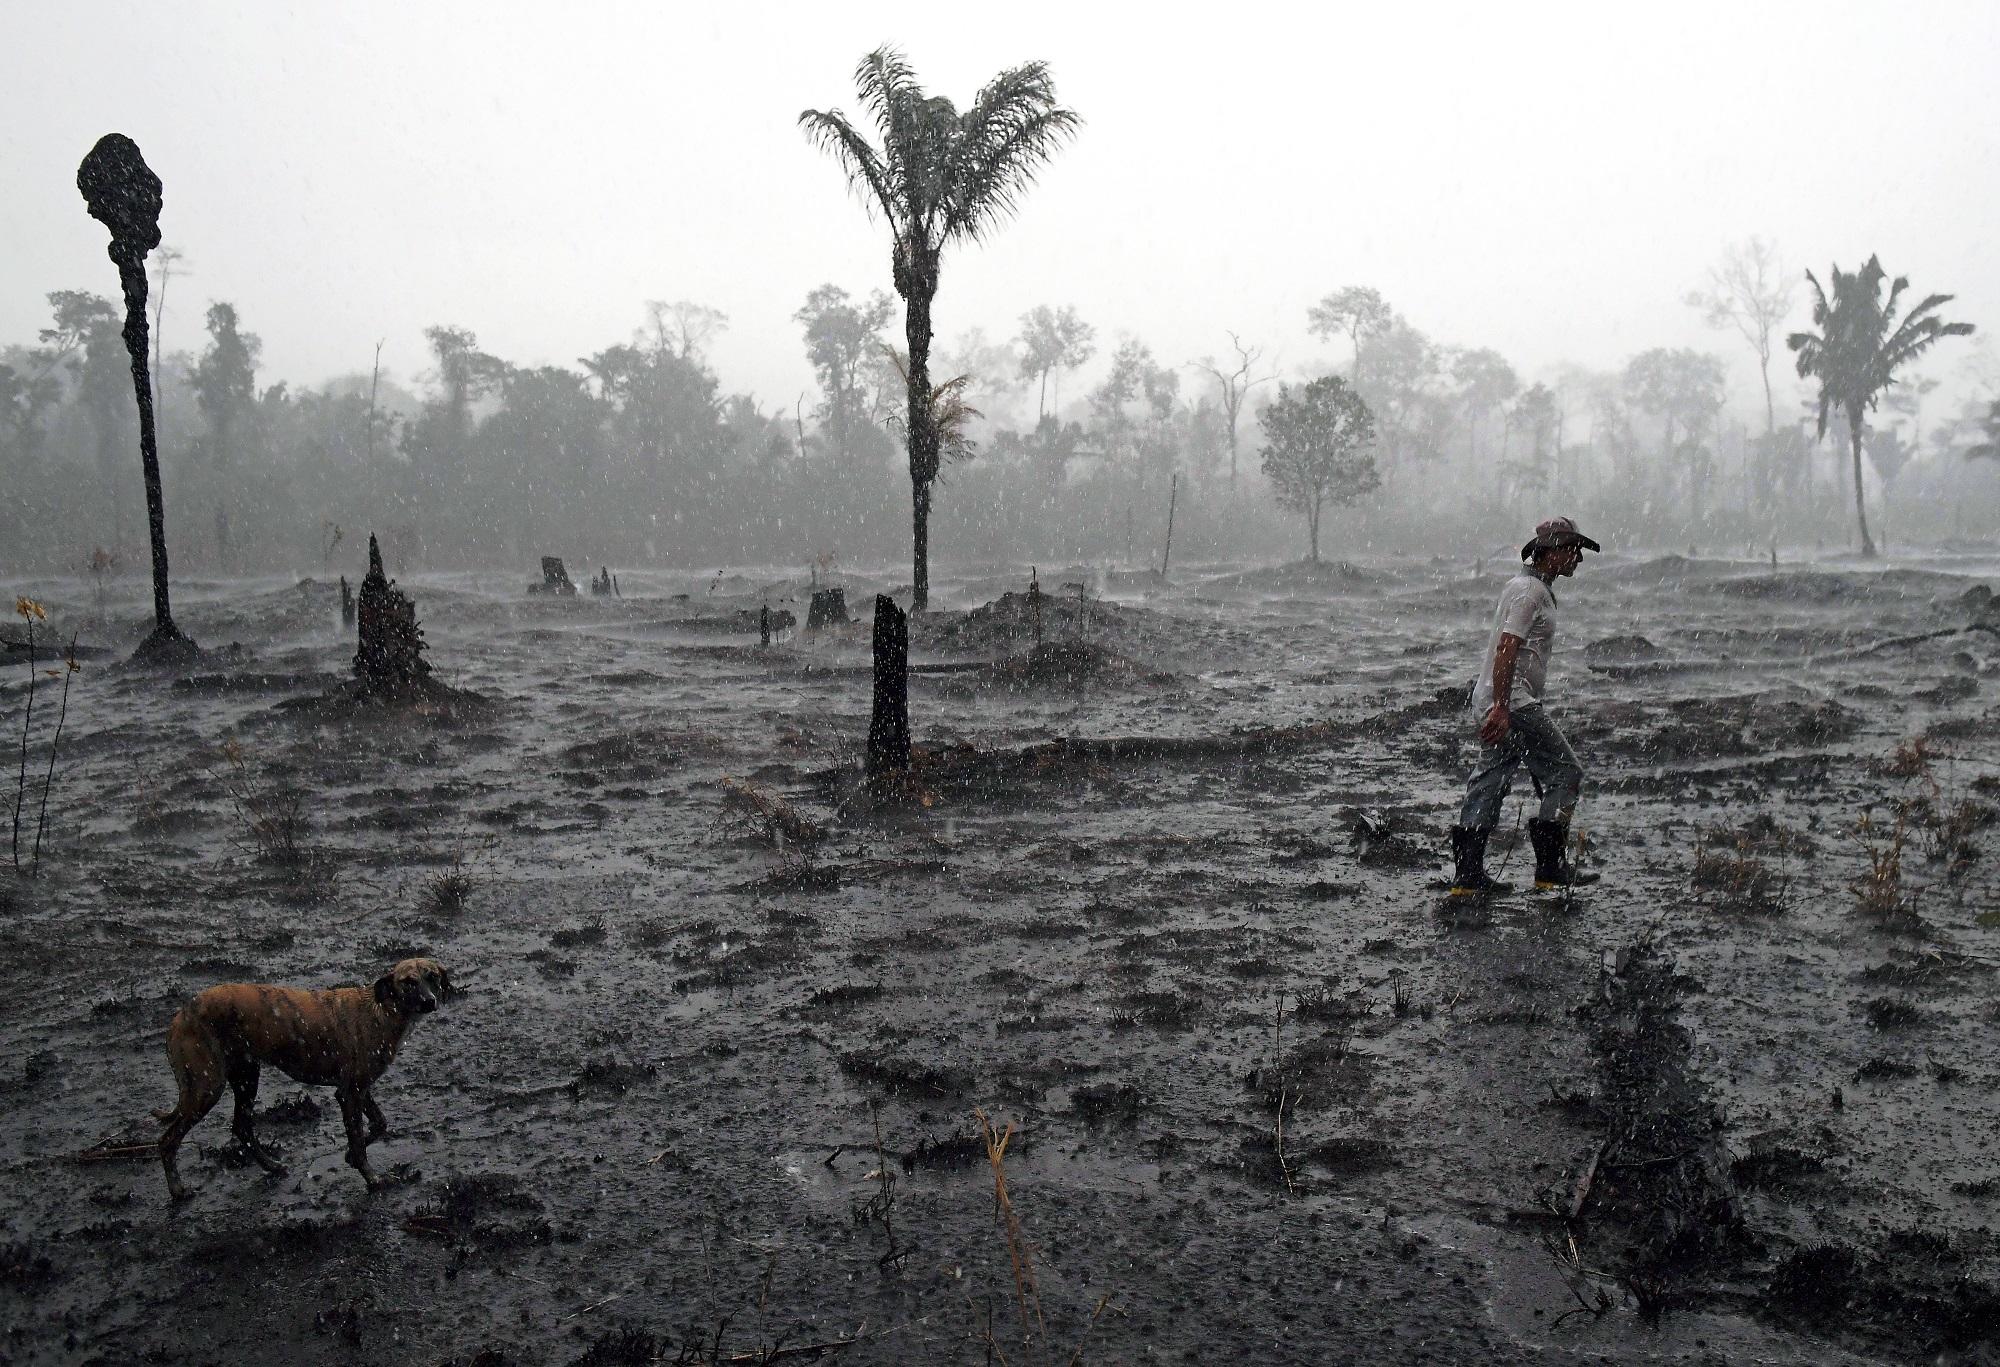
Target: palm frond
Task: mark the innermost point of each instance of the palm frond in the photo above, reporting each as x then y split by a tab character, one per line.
866	175
888	86
990	191
1011	130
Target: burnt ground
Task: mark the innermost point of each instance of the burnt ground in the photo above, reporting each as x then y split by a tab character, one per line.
711	1093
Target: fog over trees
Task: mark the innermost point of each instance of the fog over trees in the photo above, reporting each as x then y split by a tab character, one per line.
1057	435
641	451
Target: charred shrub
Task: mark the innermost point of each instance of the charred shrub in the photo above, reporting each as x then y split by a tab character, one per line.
446	891
1894	1013
570	937
21	1267
1738	880
623	1348
1816	1282
271	809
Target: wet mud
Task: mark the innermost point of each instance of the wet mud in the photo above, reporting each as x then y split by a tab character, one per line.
1165	899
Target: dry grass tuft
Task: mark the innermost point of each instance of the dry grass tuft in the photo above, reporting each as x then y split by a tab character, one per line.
447	891
271	810
1738	879
1026	1292
1879	893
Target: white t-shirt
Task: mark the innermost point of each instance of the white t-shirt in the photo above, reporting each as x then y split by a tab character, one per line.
1527	610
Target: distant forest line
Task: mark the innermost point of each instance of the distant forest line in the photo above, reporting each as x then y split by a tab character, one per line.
1065	450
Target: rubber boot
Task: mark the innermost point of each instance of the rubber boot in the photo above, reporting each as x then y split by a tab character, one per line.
1553	870
1468	854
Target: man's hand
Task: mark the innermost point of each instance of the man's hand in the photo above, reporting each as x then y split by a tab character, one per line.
1494	729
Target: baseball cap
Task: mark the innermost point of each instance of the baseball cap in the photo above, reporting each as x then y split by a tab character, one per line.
1554	534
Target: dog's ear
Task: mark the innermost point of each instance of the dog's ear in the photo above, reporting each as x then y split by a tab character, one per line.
385	989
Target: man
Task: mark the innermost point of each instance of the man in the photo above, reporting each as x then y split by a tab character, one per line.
1514	727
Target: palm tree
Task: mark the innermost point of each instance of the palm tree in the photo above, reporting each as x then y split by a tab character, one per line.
939	177
1858	349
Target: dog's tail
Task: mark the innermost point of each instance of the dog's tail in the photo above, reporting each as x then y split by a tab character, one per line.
191	1049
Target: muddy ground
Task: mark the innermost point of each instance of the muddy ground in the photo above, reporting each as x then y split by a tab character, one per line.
711	1092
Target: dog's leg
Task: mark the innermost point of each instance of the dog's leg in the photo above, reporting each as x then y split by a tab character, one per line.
196	1058
357	1140
243	1081
378	1126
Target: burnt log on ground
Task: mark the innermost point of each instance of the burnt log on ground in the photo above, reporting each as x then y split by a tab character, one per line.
742	620
889	721
19	649
966	769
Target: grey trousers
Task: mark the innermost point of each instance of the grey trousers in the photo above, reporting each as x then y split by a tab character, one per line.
1532	740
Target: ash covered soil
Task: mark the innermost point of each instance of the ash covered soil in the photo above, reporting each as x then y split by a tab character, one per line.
1165	897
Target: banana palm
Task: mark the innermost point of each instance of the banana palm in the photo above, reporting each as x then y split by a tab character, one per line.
1859	347
939	177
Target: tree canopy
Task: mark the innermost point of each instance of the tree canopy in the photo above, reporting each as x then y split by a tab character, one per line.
1318	444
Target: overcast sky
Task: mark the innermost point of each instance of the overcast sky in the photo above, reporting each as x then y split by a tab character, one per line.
1546	180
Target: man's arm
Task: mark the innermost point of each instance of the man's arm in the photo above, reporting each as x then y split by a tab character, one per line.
1494	728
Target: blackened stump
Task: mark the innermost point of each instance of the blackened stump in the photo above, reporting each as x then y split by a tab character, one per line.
828	609
124	195
390	659
889	726
555	578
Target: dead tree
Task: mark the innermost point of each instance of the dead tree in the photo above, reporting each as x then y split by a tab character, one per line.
124	195
889	725
1234	386
390	661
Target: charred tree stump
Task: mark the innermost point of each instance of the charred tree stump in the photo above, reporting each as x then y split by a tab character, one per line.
123	194
828	608
889	725
389	662
555	578
346	603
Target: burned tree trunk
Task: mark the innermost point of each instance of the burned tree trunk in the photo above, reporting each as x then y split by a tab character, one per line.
389	662
889	726
346	603
123	194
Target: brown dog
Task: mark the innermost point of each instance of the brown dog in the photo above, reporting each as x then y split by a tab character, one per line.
339	1037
